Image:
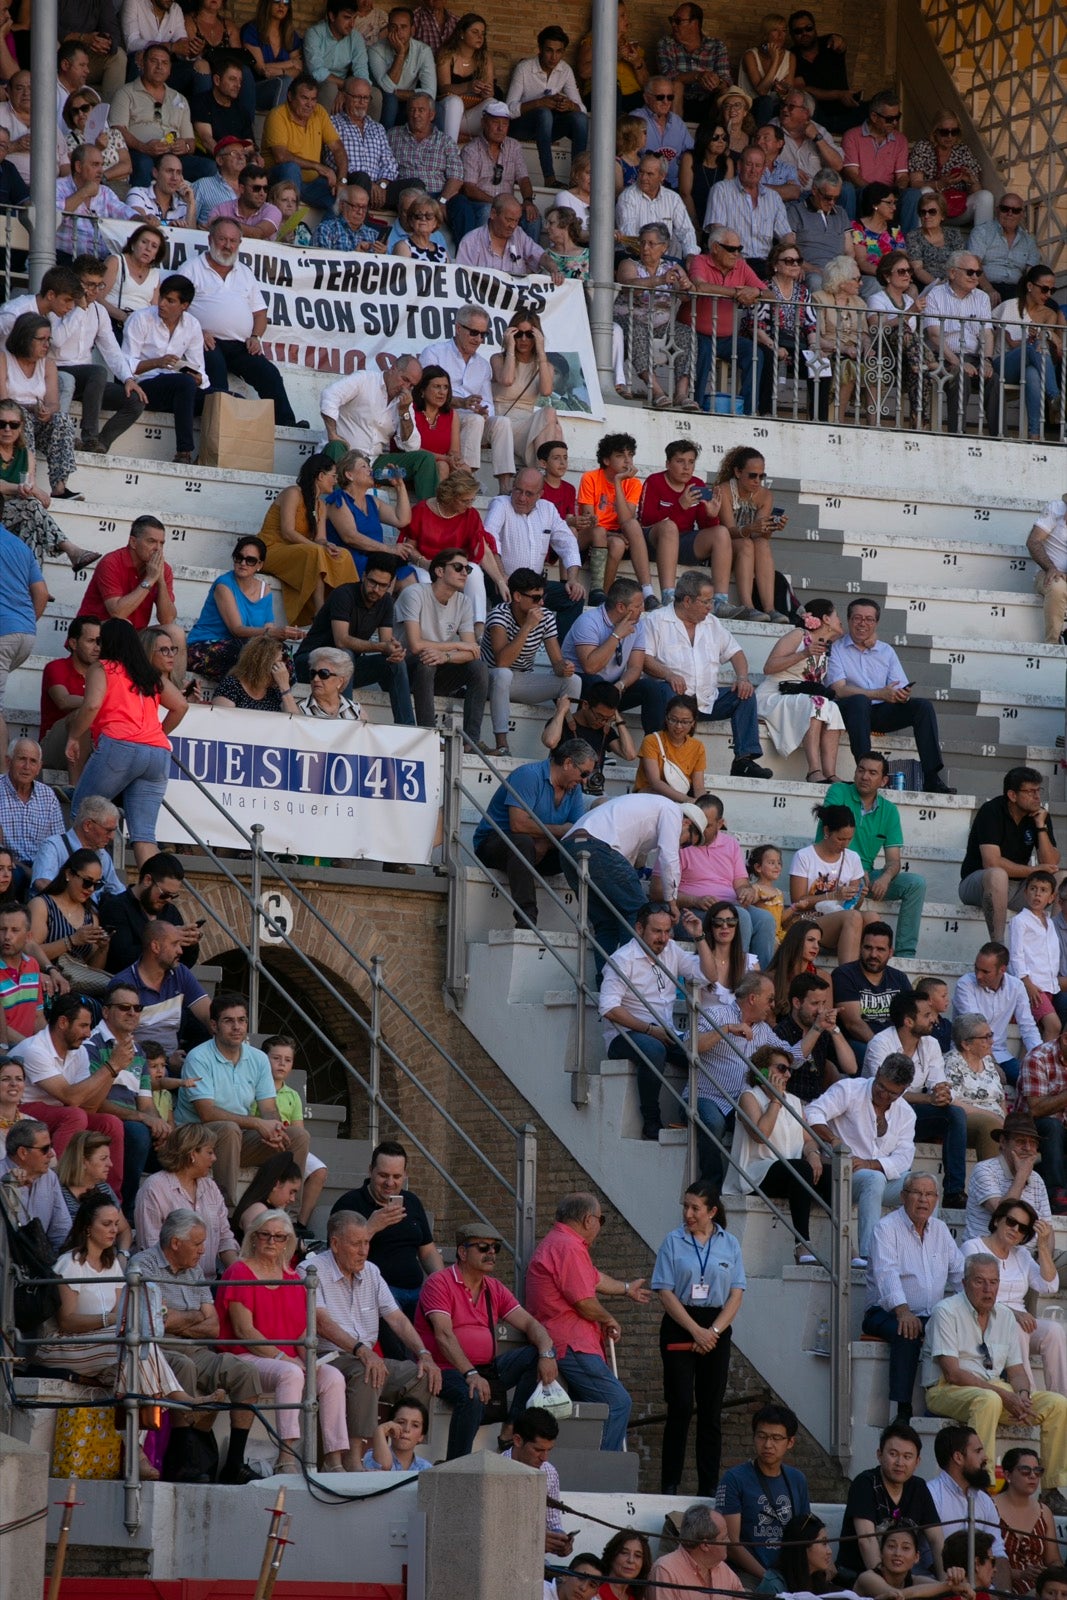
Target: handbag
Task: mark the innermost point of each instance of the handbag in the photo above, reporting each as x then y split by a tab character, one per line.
83	978
496	1407
673	776
86	1445
31	1256
798	686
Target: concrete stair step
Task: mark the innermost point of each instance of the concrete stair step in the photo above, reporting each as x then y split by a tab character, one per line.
847	554
931	511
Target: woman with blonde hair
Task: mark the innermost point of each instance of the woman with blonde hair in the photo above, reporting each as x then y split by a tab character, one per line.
259	680
767	70
83	1170
464	77
841	310
186	1158
422	219
522	381
448	521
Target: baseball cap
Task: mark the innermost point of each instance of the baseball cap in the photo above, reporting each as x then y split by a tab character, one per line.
232	138
495	108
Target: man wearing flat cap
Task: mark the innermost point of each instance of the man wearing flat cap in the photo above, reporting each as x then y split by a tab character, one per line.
1007	1176
459	1309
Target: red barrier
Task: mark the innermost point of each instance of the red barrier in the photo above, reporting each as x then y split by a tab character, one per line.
220	1589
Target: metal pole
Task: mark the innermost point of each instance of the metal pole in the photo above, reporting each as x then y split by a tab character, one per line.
602	176
970	1537
841	1306
256	890
525	1202
43	133
580	1079
374	1054
309	1407
132	1493
692	1159
456	928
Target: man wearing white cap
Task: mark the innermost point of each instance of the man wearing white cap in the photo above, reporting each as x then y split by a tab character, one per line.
616	834
494	164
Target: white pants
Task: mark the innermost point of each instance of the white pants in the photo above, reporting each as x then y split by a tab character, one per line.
473	427
526	689
459	118
979	208
475	588
529	426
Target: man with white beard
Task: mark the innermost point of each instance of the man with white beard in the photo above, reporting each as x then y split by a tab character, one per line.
233	314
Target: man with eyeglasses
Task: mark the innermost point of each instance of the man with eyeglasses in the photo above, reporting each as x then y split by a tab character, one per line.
699	1563
822	71
232	155
113	1044
666	135
808	145
528	529
62	1091
1006	834
697	63
472	394
30	1186
350	232
458	1312
563	1289
1005	248
252	211
366	142
443	655
539	803
820	223
957	326
494	163
725	286
877	152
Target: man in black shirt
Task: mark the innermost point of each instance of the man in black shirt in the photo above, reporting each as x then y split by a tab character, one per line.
823	73
1004	835
831	1055
599	722
890	1492
358	617
864	988
402	1246
151	899
217	115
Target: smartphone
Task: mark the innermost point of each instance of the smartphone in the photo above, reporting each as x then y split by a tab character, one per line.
910	685
201	922
708	492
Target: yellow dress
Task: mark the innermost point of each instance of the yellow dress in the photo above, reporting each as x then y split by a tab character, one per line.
299	567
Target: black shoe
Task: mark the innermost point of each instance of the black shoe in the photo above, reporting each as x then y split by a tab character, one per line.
954	1202
937	786
749	767
651	1131
597	597
302	424
903	1414
243	1474
652	603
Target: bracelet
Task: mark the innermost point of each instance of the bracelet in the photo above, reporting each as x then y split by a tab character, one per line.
420	1353
471	1372
626	1287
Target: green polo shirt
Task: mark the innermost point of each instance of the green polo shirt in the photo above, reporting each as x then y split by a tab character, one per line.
876	830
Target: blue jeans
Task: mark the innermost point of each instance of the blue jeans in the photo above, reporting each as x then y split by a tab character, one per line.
759	933
710	1159
1053	1137
633	1047
394	1348
317	193
1010	370
136	1149
609	870
543	126
517	1367
744	721
134	776
908	209
947	1126
871	1191
903	1353
465	215
711	348
590	1378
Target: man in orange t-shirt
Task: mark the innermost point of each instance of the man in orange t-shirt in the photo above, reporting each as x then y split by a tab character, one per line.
613	494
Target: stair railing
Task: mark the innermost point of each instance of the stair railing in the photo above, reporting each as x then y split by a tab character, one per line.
458	855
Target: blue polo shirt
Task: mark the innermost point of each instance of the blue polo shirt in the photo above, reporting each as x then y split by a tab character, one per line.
593	627
18	569
532	786
234	1086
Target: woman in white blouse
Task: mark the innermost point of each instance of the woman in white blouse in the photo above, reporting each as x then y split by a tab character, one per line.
827	879
1012	1227
773	1146
976	1081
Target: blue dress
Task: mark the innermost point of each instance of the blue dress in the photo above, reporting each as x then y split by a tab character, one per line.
368	523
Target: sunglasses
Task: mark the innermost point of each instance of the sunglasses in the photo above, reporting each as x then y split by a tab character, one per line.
43	1149
1021	1223
1011	211
320	672
789	261
475	333
247	561
537	598
486	1249
717	138
14	426
724	922
524	333
1042	288
498	172
90	883
734	249
663	97
969	272
929	211
165	895
460	566
887	118
952	131
125	1005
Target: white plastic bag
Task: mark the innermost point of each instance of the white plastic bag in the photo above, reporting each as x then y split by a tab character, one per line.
553	1398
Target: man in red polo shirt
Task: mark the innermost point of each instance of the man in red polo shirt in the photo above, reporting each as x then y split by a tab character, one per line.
728	282
562	1286
133	582
63	689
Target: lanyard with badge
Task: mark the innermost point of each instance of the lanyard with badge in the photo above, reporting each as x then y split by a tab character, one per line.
700	1292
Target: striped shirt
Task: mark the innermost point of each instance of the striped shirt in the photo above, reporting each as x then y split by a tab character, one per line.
757	226
909	1269
367	147
503	616
723	1072
26	824
21	995
433	161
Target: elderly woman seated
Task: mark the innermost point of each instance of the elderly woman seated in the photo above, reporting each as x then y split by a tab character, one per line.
329	675
842	330
656	336
976	1081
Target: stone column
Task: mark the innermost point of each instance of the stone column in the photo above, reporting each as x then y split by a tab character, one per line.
485	1529
23	1490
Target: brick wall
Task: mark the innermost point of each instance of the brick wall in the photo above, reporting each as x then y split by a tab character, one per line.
868	29
407	930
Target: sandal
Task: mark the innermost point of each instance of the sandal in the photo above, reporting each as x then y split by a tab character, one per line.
662	401
815	776
624	391
80	559
502	750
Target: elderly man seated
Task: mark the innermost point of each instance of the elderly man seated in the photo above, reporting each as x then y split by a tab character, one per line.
352	1301
503	245
914	1261
95	825
527	527
370	410
27	1171
29	810
666	134
458	1313
539	799
189	1322
974	1372
649	200
699	1562
350	232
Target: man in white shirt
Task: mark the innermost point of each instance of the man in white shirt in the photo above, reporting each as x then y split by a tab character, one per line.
871	1117
937	1121
544	101
914	1262
961	1455
472	394
368	410
86	329
169	198
992	991
233	314
958	328
614	835
649	200
637	1005
165	347
808	146
61	1092
525	527
973	1371
581	1581
686	646
436	621
1047	546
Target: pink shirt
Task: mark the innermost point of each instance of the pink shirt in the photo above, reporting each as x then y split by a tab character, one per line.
715	314
877	163
561	1272
713	869
680	1569
446	1291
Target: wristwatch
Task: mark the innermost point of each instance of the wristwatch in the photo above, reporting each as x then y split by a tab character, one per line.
547	1355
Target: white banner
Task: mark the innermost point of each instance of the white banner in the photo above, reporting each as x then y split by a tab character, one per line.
332	313
344	790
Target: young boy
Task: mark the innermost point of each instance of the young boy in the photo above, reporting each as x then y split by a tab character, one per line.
1034	949
936	991
280	1051
757	1498
156	1061
393	1444
612	494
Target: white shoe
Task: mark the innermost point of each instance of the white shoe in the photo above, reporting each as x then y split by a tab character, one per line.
859	1261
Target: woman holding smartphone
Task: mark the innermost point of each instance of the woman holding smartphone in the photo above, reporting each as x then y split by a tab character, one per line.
747	513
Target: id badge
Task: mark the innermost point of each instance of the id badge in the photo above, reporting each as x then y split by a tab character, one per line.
699	1294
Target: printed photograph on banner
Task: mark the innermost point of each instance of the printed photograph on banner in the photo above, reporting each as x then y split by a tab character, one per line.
330	315
341	791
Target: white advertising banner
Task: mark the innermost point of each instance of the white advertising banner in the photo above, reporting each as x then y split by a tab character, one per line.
346	790
335	314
